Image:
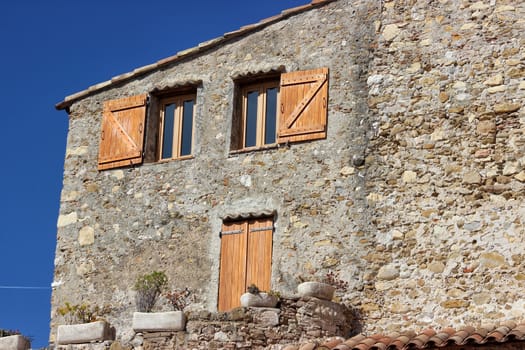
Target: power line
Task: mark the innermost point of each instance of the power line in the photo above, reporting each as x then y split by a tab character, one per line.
23	287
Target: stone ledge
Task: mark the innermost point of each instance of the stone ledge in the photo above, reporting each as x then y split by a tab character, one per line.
14	342
159	321
84	333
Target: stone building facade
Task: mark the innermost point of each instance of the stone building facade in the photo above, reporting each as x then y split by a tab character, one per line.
399	165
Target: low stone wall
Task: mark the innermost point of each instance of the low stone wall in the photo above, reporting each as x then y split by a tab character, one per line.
296	319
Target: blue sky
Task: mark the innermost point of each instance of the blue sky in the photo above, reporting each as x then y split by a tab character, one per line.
50	49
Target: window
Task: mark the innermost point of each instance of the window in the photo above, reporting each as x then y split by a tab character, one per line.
246	258
176	127
289	108
259	113
135	131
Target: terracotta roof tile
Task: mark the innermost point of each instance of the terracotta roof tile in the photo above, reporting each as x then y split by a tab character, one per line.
291	347
342	347
399	342
441	337
518	332
427	338
193	50
333	342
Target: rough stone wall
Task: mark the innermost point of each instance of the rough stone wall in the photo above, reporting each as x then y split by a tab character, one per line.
415	197
117	224
295	320
446	166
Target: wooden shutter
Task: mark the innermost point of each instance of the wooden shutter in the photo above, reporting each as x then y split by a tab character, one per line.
122	135
246	255
303	105
232	277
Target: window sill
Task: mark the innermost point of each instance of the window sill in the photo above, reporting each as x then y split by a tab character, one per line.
160	161
255	149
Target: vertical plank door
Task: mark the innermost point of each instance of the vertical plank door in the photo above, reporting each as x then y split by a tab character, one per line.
259	253
232	277
246	258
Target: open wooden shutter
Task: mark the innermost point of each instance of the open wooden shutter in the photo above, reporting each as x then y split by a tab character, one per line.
246	258
303	105
122	135
232	277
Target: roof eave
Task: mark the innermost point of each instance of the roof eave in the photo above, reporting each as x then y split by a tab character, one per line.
245	30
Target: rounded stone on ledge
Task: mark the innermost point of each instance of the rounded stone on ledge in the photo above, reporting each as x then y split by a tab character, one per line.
316	289
258	300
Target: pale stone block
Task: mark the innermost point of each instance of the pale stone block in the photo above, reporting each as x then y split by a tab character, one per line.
436	267
480	5
345	171
67	219
14	342
83	333
468	26
506	107
414	68
472	177
520	177
374	197
86	235
221	336
267	318
388	273
504	8
492	259
496	89
494	80
390	31
77	151
409	176
158	321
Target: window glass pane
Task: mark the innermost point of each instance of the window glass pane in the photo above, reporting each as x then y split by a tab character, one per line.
187	126
167	132
271	115
250	137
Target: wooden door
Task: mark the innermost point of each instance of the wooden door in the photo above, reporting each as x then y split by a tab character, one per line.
246	254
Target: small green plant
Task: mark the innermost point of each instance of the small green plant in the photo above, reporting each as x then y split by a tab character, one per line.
149	287
275	294
82	313
179	298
